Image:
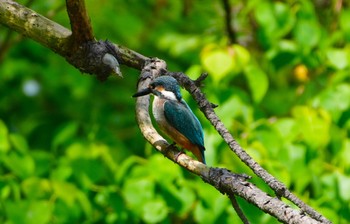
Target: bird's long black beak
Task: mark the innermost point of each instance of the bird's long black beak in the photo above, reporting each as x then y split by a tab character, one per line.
142	92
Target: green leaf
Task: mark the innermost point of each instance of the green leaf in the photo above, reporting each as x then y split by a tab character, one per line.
239	109
342	156
269	142
21	165
137	192
84	202
5	192
343	186
65	133
307	34
154	211
241	57
43	161
297	166
275	18
344	23
286	129
19	143
257	81
187	197
218	62
334	99
31	212
66	191
314	125
35	187
194	71
4	142
61	173
338	58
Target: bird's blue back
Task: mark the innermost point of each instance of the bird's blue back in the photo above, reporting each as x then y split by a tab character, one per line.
179	115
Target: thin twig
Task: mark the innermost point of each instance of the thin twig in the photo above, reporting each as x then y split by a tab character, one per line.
6	44
228	22
238	209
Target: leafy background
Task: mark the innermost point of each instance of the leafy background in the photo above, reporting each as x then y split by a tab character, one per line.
70	149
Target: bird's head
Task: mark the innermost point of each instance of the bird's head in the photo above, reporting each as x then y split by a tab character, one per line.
164	87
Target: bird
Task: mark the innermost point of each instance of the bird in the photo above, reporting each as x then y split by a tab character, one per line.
173	115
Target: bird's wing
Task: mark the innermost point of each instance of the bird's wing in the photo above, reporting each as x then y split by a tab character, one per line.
180	116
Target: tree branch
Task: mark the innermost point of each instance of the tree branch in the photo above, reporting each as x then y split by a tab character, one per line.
80	22
238	210
31	24
228	22
88	57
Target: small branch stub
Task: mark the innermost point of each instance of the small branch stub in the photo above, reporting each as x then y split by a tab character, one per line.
113	63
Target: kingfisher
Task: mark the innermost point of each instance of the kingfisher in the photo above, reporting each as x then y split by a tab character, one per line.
174	117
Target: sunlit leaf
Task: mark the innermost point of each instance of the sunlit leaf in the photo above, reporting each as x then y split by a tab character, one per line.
65	191
194	71
313	125
338	58
218	62
286	128
257	81
344	22
343	186
241	57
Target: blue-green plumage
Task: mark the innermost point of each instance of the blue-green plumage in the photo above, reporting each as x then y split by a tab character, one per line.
174	117
180	116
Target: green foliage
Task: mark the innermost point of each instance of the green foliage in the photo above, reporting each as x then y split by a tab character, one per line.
70	149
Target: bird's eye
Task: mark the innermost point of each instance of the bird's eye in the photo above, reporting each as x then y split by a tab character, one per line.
151	86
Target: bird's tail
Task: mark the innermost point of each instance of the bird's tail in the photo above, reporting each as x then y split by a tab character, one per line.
199	153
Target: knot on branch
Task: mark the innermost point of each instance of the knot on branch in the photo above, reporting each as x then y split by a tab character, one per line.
222	179
93	57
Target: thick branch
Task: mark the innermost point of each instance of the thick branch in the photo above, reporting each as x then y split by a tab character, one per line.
80	22
230	184
31	24
88	58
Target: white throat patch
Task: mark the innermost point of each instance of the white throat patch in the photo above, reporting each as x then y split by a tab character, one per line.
168	95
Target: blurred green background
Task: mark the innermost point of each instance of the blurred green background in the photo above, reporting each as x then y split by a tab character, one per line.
70	149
